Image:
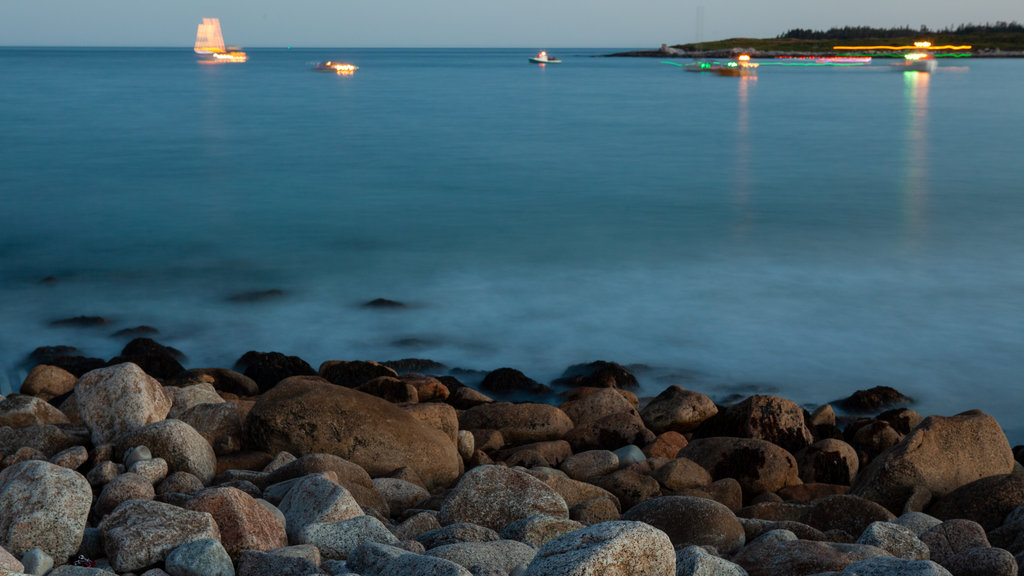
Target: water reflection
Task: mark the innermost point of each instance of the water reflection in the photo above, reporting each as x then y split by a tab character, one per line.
915	182
741	169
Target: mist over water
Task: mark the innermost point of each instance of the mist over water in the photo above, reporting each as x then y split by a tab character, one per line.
805	233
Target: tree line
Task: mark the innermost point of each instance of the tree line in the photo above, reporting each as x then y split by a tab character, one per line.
855	32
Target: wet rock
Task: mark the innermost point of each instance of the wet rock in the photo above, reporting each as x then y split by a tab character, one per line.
510	380
518	423
139	398
46	382
758	466
81	322
609	549
43	506
135	331
155	359
494	497
141	533
269	368
244	523
256	296
873	400
679	410
383	303
598	374
708	522
352	374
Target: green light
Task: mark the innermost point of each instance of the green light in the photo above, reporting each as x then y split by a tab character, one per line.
672	63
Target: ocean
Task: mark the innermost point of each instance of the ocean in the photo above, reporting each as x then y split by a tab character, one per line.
806	232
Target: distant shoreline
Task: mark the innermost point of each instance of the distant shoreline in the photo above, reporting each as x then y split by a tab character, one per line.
670	52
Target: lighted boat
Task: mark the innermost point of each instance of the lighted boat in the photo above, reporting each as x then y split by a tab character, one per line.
341	68
210	44
543	58
917	62
741	66
703	66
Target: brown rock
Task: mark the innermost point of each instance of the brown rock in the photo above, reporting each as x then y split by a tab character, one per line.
610	432
21	410
46	382
982	561
349	475
953	537
505	380
439	416
800	557
708	523
630	487
391	389
465	398
598	374
428	389
680	474
678	410
572	491
759	466
595	511
176	442
141	533
596	405
494	497
140	400
666	445
873	400
875	437
124	487
590	463
847	513
518	423
987	501
805	493
222	379
726	491
244	523
354	373
215	422
830	461
553	452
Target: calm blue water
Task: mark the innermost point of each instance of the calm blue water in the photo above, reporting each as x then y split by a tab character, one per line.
806	233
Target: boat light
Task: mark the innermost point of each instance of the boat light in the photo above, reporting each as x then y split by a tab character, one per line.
744	57
915	56
922	44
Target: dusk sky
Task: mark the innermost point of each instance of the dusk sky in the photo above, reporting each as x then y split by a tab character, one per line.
455	23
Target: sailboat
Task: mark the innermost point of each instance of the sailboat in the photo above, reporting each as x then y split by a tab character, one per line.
210	44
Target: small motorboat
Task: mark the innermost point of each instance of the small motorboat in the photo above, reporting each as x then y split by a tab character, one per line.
741	66
917	62
703	66
543	58
342	68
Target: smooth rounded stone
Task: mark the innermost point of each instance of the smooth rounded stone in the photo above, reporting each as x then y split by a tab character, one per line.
219	423
850	514
539	530
629	486
141	533
46	438
775	511
456	533
830	461
399	494
572	491
35	561
21	410
938	456
519	423
903	420
244	523
428	388
437	415
154	572
222	379
315	499
180	482
464	398
695	561
9	563
770	557
823	415
552	452
509	380
590	463
764	417
678	410
43	506
421	565
259	563
179	444
875	437
412	527
370	558
350	475
917	522
22	455
390	388
186	397
807	493
897	540
336	540
982	561
280	460
72	458
617	548
610	432
154	470
352	374
599	374
487	439
268	369
680	474
494	497
987	501
466	444
726	491
204	557
759	466
708	523
595	511
139	400
136	454
127	486
952	537
889	566
308	415
596	405
500	554
630	454
666	445
46	382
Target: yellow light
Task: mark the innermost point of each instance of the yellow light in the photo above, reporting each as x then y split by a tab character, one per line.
929	47
744	57
922	44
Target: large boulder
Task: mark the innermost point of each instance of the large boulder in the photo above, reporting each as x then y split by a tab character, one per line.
306	415
244	523
43	506
183	448
987	501
619	548
678	409
940	455
116	400
708	523
495	496
596	405
791	557
758	465
519	423
141	533
46	438
777	420
20	410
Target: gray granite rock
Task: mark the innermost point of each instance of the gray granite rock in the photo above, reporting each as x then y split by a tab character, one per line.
618	548
204	557
44	506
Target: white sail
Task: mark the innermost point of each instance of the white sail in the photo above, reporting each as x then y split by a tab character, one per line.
209	39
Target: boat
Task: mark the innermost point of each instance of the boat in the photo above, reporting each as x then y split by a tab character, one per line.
703	65
340	68
210	44
543	58
917	62
741	66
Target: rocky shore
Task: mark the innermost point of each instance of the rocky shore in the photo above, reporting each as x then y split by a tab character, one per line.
666	51
135	465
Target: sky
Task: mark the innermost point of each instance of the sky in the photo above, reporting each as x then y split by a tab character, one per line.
463	23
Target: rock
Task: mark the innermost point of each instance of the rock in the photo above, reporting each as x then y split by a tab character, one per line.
850	514
917	522
986	501
572	491
982	561
771	418
35	562
619	548
244	523
875	437
953	537
518	423
314	499
391	389
275	563
610	432
942	454
510	380
222	379
726	492
502	555
456	533
399	494
903	420
354	373
412	527
629	486
680	474
72	458
204	557
806	493
597	405
539	530
708	522
590	463
77	365
824	416
309	415
494	497
466	444
598	374
219	423
139	398
666	445
770	557
181	482
630	455
595	511
465	398
20	410
46	382
127	486
46	438
759	466
336	540
695	561
186	397
81	321
678	410
179	444
349	475
888	566
439	416
154	358
896	540
873	400
269	368
141	533
43	506
830	461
